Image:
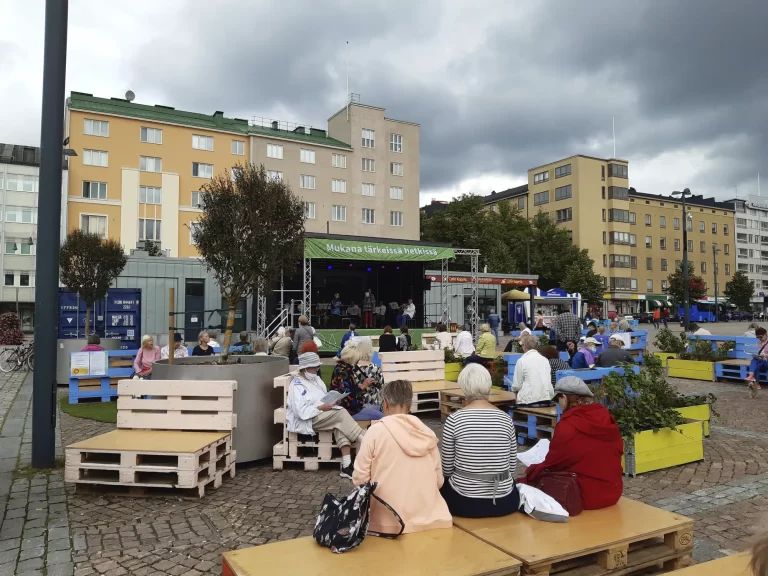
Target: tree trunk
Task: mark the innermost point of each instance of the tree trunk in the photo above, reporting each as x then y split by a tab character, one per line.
228	334
87	320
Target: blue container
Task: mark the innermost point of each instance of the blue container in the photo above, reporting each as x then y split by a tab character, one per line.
118	316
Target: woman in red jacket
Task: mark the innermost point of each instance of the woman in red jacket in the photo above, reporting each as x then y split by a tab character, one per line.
587	442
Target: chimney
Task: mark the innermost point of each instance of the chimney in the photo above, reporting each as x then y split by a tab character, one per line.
317	132
274	125
299	130
218	117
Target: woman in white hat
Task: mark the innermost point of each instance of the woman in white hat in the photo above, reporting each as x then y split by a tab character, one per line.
307	414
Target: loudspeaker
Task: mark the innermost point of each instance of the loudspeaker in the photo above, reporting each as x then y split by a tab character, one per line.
427	285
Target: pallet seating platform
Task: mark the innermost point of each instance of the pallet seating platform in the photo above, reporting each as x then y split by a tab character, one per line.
453	399
103	388
448	552
732	369
735	565
180	438
628	538
534	424
426	371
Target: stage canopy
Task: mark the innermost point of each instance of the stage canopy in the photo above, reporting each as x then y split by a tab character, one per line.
334	249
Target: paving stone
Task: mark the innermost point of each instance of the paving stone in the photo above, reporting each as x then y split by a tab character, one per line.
37	552
59	557
31	564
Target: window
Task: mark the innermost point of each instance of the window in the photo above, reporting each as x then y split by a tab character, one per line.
369	189
149	164
307	182
676	223
741	222
21	182
703	247
689	224
649	263
202	142
703	267
727	269
541	177
632	218
618	193
9	279
663	243
369	138
648	221
309	210
564	215
605	260
521	202
649	285
95	190
196	199
620	261
396	168
202	170
238	147
94	224
21	215
603	237
275	151
662	221
616	215
541	198
193	226
150	195
23	279
339	186
664	284
339	214
151	135
663	264
563	192
396	192
149	229
648	242
95	158
395	142
726	248
395	218
725	229
617	171
307	156
690	245
602	193
701	225
622	238
626	284
96	128
235	173
369	165
274	175
339	160
369	216
21	247
561	171
602	172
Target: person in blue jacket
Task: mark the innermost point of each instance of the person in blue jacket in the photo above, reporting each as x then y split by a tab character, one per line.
347	336
585	357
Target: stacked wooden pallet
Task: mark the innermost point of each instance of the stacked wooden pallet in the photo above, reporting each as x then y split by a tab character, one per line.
180	437
103	388
454	399
534	424
425	369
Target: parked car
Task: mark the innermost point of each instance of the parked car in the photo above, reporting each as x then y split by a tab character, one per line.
643	317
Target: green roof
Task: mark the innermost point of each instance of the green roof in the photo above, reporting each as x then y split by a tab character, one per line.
215	121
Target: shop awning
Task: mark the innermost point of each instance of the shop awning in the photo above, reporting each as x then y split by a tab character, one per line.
660	300
334	249
518	295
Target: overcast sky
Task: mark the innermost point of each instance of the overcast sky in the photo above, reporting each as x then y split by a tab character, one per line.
497	86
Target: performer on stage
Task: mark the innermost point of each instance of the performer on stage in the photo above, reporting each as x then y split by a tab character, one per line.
408	312
336	311
354	313
381	314
369	303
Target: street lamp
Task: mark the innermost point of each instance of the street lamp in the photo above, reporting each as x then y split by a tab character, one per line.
715	250
530	302
686	286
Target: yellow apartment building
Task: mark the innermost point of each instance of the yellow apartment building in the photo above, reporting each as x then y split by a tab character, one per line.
634	238
139	169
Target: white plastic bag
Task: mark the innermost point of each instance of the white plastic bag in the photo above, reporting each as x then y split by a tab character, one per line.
540	505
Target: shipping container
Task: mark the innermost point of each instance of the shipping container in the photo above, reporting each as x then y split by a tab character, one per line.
118	316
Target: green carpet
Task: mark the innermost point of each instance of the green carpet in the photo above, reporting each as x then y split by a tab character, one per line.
332	338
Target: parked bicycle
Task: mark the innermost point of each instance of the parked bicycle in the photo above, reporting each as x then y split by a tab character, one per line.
12	359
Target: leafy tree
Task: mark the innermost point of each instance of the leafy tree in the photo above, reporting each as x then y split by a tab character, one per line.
153	248
251	228
552	251
580	277
676	288
88	265
739	290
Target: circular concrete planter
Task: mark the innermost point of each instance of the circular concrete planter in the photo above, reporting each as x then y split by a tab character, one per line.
255	398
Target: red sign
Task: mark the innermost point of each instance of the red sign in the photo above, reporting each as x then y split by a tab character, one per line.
484	280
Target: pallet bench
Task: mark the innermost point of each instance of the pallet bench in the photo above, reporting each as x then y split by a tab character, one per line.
448	552
627	538
104	388
534	424
425	369
735	565
454	399
180	438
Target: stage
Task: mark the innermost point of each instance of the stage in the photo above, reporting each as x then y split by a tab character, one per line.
332	338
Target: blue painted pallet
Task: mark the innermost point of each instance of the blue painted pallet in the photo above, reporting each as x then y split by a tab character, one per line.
105	391
733	370
534	427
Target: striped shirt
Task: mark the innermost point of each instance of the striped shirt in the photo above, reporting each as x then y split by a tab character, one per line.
479	441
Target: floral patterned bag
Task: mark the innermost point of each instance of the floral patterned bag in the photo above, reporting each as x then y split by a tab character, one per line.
342	524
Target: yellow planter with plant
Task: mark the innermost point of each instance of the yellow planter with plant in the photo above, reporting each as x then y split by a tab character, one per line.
653	450
692	369
452	371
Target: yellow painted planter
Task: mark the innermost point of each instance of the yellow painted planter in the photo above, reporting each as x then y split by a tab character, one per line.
664	356
700	413
693	369
651	450
452	371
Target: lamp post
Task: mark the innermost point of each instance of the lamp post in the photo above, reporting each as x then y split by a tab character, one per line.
686	284
715	250
530	302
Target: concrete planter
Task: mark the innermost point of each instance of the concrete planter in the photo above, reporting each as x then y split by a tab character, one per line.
255	398
693	369
700	413
649	450
452	371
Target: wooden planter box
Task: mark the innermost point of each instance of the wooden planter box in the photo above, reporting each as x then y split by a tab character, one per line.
700	413
452	370
651	450
664	356
692	369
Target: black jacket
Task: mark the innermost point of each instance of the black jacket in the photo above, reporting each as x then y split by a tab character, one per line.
387	343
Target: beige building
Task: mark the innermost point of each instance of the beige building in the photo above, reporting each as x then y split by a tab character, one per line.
634	238
139	169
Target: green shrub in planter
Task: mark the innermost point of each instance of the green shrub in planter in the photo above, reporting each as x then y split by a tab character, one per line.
667	341
543	340
702	351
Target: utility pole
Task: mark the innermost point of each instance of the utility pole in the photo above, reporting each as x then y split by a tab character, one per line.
715	250
49	218
686	284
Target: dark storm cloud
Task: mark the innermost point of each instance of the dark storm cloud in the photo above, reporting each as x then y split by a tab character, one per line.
535	82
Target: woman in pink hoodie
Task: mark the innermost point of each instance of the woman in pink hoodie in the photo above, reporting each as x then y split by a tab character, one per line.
399	453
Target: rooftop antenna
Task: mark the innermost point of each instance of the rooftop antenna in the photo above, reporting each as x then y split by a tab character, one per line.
758	183
347	80
613	118
130	96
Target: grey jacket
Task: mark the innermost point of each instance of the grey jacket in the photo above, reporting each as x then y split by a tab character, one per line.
302	334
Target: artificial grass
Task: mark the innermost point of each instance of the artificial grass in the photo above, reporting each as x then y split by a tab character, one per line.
99	411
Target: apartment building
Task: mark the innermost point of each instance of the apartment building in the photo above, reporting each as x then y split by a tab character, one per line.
140	169
634	238
751	224
19	183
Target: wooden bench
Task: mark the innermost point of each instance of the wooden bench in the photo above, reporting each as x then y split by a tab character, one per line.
425	369
627	538
181	437
732	369
448	552
119	366
735	565
533	424
454	398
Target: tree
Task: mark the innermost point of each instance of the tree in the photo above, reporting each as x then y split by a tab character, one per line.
88	265
552	251
580	277
251	228
739	290
675	287
153	248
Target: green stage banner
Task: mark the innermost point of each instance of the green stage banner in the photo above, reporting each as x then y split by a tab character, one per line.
353	250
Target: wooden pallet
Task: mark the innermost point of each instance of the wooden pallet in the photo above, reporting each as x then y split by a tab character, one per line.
416	366
628	538
452	400
732	369
103	388
734	565
308	464
534	424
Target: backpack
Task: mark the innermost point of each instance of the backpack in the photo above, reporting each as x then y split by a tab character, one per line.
402	343
342	524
